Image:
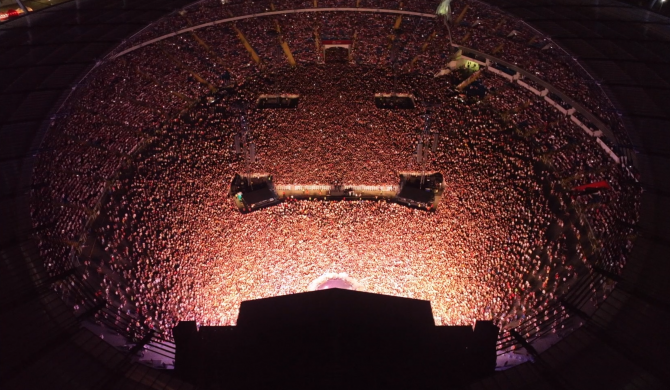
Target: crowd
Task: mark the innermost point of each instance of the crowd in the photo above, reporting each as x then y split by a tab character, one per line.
132	181
482	27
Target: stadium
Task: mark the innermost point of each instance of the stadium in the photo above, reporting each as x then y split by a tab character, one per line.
240	150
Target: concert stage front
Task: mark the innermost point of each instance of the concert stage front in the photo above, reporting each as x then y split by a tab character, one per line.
335	338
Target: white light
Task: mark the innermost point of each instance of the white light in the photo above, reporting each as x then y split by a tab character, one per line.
444	8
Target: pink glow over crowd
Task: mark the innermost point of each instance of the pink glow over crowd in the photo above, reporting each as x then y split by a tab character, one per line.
133	183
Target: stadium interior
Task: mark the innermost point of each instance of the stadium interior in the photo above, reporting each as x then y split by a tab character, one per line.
189	189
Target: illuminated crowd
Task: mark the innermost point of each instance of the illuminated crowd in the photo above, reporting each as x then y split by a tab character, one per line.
132	186
482	27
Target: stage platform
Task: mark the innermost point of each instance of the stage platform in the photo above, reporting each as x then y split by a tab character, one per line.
336	192
278	101
335	339
395	101
420	190
416	189
253	192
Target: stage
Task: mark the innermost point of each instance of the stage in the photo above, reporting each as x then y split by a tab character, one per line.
416	189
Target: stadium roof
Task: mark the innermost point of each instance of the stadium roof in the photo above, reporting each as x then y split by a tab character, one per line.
42	56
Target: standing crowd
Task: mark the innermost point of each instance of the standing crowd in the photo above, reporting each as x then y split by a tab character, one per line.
132	186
